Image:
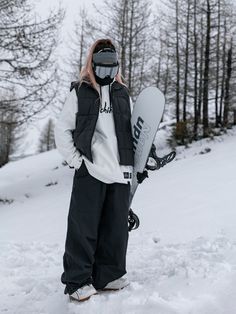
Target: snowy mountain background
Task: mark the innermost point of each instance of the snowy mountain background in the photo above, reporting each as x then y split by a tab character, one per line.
181	260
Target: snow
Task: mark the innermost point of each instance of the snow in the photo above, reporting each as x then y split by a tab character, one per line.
181	260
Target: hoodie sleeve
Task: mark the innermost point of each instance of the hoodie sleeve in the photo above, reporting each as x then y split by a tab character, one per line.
63	131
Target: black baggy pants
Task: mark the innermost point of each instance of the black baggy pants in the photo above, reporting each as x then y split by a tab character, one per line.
97	232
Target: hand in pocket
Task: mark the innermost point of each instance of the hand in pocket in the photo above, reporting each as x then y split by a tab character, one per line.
82	171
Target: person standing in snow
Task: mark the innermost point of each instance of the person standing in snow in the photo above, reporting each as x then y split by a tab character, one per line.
93	134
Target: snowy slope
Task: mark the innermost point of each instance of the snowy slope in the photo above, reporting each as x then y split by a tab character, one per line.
181	260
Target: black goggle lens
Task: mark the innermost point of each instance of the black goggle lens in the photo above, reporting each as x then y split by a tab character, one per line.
103	71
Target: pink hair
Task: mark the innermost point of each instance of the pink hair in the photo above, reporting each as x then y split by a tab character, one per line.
86	73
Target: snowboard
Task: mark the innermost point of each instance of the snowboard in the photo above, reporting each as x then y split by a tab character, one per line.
145	119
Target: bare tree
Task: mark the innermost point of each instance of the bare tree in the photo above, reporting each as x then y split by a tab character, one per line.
206	71
186	71
26	63
80	40
46	140
196	44
227	86
195	53
177	62
10	131
128	23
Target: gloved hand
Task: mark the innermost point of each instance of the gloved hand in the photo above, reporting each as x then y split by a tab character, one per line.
141	176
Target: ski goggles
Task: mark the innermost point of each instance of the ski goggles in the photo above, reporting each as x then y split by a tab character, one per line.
105	63
103	71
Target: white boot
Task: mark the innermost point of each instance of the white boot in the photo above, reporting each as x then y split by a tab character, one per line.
117	284
83	293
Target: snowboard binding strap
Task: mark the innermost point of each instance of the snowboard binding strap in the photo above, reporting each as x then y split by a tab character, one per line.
133	220
160	161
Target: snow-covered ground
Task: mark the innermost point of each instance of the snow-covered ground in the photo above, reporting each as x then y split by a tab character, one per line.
181	260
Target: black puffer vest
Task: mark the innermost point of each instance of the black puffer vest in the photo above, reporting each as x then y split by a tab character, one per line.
87	115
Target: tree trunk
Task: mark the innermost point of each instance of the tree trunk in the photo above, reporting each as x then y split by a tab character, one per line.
131	47
199	111
217	66
177	62
227	86
223	74
206	73
186	64
124	37
195	128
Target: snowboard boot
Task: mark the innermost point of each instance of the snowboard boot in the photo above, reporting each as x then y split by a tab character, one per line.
83	293
117	284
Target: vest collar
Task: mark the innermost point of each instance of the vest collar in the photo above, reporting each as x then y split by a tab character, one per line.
114	85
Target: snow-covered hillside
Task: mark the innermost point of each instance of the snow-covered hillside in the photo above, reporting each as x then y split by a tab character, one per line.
181	260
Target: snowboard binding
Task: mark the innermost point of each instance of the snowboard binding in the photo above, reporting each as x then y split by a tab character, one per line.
159	162
133	220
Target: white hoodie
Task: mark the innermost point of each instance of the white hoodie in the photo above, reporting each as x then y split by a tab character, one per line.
105	166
